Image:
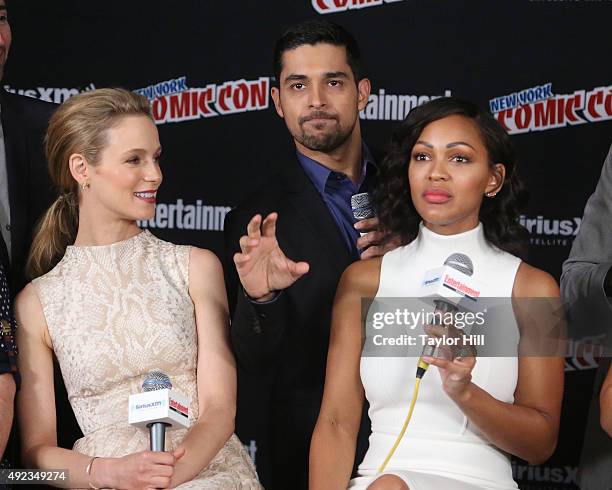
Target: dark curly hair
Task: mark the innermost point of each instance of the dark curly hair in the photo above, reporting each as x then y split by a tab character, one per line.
499	216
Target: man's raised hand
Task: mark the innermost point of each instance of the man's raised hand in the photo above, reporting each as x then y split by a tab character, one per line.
262	266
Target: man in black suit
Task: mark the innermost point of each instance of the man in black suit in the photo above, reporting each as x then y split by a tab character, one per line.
25	187
25	192
586	288
282	308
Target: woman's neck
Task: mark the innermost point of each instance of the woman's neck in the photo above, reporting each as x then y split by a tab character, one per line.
101	231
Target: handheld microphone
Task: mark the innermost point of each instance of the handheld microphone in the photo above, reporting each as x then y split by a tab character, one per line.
449	288
452	283
362	207
158	408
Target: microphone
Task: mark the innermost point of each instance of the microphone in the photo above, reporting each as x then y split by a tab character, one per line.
156	380
362	207
158	408
452	284
448	289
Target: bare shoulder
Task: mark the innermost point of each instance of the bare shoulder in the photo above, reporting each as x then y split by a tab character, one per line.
205	275
30	315
27	304
362	277
532	282
203	260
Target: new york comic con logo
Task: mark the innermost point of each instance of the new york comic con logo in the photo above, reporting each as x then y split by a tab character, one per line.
333	6
538	109
173	101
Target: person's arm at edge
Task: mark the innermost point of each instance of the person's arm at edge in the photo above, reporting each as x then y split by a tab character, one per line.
332	449
38	434
586	272
531	424
257	330
605	403
216	382
7	396
35	361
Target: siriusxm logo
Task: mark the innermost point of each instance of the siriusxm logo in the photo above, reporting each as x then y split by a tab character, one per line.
551	232
427	282
50	94
144	406
567	475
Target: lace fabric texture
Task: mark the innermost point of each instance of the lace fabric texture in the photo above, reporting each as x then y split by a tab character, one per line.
114	313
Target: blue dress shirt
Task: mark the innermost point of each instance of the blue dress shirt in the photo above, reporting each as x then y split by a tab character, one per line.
336	190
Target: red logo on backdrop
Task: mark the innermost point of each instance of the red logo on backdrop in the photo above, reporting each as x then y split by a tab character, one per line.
173	101
585	353
332	6
538	109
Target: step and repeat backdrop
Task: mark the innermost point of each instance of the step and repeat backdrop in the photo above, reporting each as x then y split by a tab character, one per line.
541	66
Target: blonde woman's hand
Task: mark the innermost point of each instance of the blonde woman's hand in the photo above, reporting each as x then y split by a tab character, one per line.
139	471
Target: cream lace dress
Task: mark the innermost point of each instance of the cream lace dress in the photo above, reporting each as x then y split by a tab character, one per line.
114	313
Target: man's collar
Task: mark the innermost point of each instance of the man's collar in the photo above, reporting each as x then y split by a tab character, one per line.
316	172
319	173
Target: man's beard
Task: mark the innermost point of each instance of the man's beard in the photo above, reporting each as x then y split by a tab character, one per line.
324	142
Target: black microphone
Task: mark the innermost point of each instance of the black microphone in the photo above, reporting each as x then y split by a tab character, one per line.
362	207
156	380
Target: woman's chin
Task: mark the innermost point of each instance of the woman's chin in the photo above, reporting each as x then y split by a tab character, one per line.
439	218
142	215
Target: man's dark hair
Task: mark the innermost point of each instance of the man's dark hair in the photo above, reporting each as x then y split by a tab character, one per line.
313	32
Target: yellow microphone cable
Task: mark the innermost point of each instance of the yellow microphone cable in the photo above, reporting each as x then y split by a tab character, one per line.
421	370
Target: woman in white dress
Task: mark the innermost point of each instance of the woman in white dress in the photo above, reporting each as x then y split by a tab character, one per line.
113	302
448	186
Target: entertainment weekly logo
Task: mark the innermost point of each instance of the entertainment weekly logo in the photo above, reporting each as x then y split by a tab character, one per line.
50	94
333	6
173	101
538	109
549	232
181	216
393	107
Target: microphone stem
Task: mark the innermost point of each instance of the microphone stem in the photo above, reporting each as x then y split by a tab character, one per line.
157	432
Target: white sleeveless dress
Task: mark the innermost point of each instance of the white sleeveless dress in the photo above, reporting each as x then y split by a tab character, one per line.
114	313
441	449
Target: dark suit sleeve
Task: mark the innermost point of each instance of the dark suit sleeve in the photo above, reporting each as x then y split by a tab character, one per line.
8	345
584	272
257	330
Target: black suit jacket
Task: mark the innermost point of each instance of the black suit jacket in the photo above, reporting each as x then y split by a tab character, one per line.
24	122
291	332
285	341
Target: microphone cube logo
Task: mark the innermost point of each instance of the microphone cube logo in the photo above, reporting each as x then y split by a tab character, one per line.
147	406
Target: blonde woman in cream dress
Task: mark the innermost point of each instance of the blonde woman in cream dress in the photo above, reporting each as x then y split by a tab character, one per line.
113	302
